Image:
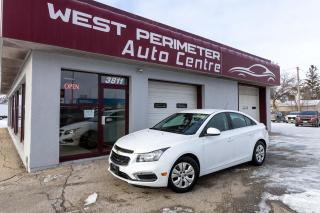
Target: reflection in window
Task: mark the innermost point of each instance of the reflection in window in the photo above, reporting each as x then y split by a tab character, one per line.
78	88
78	113
114	106
79	130
237	120
219	121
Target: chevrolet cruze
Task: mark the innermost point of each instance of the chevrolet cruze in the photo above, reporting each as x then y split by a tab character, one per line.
187	145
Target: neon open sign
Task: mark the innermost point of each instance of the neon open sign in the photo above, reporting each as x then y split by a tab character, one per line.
71	86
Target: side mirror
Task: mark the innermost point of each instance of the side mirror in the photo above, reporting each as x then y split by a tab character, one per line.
212	131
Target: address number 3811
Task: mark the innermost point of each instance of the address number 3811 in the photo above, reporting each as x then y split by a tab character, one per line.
114	80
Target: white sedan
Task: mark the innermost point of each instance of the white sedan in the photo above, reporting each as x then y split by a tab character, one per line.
187	145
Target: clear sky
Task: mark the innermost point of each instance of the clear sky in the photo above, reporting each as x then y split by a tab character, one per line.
284	31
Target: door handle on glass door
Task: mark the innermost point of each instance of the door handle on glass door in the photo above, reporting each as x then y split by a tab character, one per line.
103	120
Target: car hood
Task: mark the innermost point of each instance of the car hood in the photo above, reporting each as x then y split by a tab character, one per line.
148	140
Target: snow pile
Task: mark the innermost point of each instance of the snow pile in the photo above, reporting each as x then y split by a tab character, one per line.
3	123
303	202
91	199
293	167
49	178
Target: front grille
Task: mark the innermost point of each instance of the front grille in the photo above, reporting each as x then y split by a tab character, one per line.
123	150
119	159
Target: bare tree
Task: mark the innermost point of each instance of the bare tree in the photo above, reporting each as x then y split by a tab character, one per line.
3	99
286	90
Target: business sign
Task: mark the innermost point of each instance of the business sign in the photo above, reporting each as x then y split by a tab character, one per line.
71	86
93	27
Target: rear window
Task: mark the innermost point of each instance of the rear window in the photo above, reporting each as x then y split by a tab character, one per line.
237	120
308	113
249	121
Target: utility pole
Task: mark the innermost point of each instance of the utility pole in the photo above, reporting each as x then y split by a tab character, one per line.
298	88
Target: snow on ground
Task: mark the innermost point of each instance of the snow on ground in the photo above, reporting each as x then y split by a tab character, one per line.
292	170
3	123
3	111
91	199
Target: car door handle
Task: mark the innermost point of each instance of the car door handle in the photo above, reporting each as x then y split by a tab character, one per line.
229	140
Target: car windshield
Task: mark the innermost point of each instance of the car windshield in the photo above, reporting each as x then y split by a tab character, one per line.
182	123
308	113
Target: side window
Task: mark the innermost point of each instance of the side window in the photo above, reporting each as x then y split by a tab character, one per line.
237	120
219	121
249	122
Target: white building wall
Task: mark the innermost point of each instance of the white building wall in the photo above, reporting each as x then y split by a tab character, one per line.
44	111
43	97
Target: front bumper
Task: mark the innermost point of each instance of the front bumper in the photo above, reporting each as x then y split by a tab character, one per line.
306	122
292	121
130	173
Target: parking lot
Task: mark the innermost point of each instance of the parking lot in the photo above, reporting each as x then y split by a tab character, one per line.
288	182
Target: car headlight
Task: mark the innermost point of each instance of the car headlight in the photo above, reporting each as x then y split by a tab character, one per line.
70	132
151	156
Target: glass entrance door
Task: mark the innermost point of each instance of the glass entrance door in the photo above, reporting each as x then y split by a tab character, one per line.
114	111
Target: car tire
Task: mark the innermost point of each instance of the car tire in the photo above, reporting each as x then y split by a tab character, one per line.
183	175
297	125
90	139
259	153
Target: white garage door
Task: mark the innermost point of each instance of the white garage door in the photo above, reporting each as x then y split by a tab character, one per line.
168	98
249	101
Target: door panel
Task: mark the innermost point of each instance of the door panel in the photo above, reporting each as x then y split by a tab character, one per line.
218	150
241	136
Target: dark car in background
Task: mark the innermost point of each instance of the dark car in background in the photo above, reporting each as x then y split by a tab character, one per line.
3	117
308	118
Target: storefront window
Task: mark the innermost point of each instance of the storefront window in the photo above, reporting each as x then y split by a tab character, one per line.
93	113
78	113
78	88
17	112
79	130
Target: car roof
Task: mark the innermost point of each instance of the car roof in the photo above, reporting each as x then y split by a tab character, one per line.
207	111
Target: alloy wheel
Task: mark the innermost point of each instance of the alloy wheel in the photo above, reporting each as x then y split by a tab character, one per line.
260	153
183	175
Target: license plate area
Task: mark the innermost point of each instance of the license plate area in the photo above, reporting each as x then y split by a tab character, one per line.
114	168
